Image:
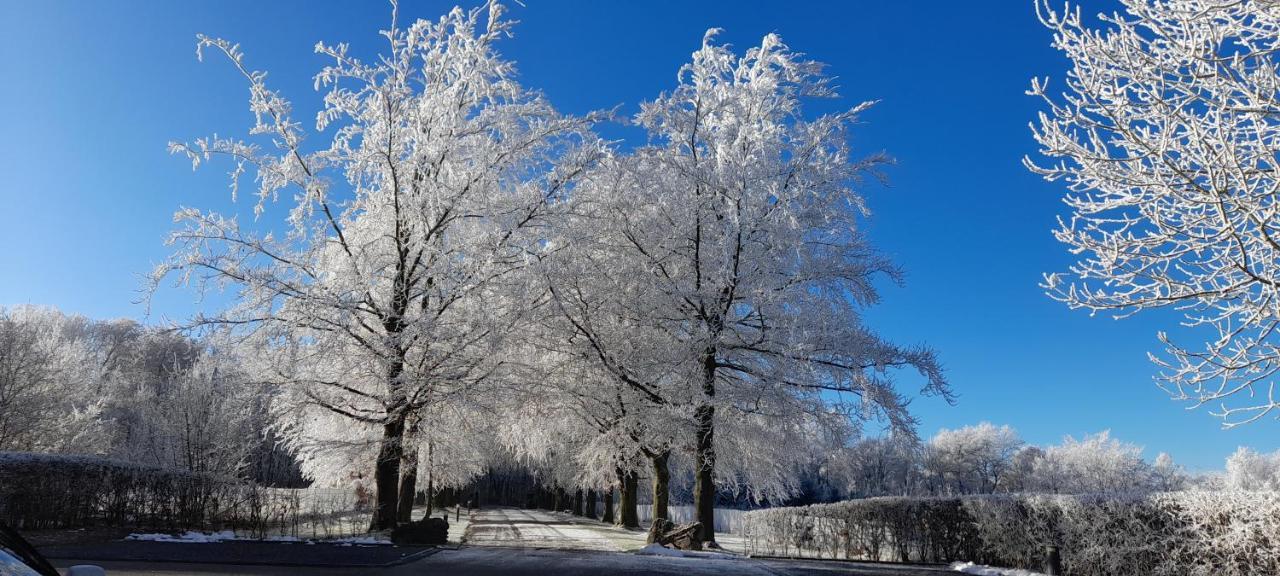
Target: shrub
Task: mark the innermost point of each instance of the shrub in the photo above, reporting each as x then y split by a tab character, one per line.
53	490
1176	533
62	491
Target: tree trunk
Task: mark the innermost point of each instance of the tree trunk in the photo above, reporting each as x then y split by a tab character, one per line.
408	483
386	475
591	504
661	491
577	503
608	506
431	488
704	485
559	505
627	516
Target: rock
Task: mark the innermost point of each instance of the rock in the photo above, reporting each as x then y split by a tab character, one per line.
425	532
657	529
683	537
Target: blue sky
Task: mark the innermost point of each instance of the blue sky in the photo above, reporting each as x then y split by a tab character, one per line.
92	92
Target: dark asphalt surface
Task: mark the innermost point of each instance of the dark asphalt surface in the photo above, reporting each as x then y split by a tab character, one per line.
242	553
492	561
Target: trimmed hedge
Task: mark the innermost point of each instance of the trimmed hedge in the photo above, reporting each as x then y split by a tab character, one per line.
54	490
61	491
1177	533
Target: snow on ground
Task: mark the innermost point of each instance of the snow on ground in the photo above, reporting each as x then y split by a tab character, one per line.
498	527
371	540
517	528
187	537
191	537
980	570
660	550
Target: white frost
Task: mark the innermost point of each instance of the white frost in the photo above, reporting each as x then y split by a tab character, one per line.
971	568
187	537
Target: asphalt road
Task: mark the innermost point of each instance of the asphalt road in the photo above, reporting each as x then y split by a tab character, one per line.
518	528
493	561
499	542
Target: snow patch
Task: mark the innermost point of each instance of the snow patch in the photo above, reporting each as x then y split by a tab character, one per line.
361	541
187	537
230	536
980	570
660	550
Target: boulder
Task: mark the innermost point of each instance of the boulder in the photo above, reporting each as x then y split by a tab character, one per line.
682	537
425	532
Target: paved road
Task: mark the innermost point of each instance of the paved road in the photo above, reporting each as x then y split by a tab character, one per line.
493	561
517	528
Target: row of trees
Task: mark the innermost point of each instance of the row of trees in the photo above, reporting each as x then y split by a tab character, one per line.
69	384
115	388
460	247
988	459
461	276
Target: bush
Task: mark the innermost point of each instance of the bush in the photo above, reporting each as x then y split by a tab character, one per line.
53	490
62	491
1177	533
424	532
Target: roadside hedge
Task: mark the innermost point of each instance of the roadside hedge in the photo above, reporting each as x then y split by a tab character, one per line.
1177	533
55	491
62	491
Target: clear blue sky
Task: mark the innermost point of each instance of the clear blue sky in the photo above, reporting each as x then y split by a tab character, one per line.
92	91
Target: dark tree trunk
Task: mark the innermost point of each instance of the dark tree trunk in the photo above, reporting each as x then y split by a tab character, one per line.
386	472
591	504
608	506
704	485
408	484
627	516
560	500
661	490
386	475
577	503
431	483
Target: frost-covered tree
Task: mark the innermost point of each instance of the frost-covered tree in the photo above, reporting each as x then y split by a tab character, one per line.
1166	475
880	466
1250	470
587	426
972	459
735	239
205	418
389	283
48	381
1163	132
1097	463
70	384
1021	475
